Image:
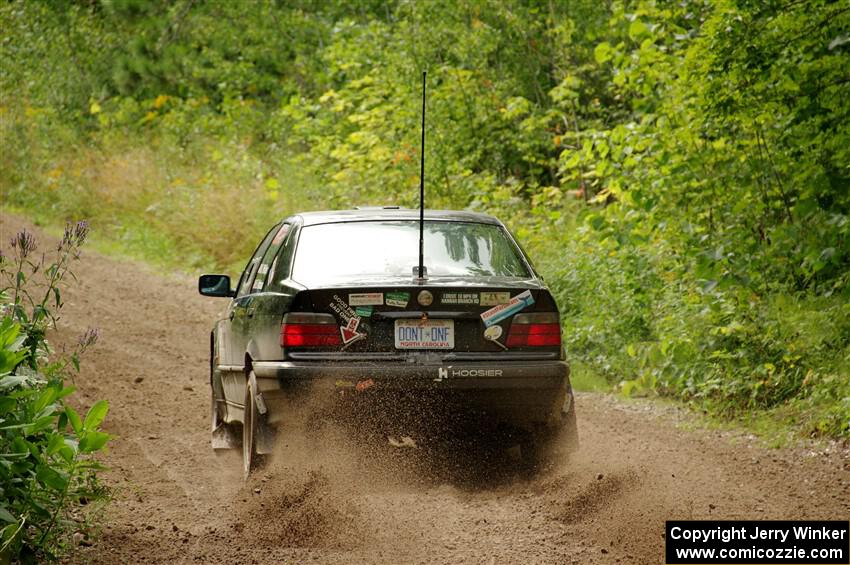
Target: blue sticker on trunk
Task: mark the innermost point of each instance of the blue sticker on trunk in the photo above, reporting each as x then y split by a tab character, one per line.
502	311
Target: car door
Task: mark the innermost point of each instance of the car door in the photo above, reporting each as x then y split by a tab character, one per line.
237	324
272	300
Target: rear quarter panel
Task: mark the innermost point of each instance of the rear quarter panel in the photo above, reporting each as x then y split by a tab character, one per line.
264	344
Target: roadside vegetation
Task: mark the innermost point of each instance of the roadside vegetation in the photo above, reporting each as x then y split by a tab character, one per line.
678	169
48	476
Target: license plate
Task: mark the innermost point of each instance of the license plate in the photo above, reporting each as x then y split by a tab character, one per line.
424	334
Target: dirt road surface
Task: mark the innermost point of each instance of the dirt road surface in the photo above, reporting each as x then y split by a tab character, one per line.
175	501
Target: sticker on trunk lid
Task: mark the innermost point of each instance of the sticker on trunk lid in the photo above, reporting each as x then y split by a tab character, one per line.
398	299
498	313
425	298
495	298
342	309
459	298
349	332
366	299
364	311
493	333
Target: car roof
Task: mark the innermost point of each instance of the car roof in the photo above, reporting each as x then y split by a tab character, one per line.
392	213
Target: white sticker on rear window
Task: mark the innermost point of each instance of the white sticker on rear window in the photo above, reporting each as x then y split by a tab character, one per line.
366	299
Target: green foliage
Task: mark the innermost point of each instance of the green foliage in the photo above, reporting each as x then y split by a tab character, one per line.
46	470
680	169
725	168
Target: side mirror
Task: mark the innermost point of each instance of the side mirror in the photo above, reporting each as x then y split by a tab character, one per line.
215	285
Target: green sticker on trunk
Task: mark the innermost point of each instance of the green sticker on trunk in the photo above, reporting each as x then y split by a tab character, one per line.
364	311
398	299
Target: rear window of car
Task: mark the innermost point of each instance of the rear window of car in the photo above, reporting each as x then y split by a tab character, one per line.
353	250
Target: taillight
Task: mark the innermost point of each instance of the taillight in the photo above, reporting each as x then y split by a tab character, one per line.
540	329
306	329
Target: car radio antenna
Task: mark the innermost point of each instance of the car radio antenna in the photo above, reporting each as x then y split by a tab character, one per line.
421	271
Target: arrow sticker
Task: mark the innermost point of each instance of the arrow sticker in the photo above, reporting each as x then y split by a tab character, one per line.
349	332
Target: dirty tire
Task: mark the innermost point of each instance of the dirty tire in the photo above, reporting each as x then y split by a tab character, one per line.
251	460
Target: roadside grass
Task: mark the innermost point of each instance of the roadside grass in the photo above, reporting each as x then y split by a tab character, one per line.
773	429
191	206
585	379
150	248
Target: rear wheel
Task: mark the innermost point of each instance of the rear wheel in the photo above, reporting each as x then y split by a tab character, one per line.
250	458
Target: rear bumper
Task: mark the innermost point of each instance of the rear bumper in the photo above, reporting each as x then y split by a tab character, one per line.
527	375
515	392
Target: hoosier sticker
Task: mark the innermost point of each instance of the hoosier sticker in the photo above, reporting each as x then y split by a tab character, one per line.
498	313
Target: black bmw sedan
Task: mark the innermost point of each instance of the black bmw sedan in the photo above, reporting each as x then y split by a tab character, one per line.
334	304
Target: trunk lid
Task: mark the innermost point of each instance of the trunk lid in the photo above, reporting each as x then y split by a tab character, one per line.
469	315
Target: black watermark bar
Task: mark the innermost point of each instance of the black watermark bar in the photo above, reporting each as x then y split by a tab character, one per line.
757	542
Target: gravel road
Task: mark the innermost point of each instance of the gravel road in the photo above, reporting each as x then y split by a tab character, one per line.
175	501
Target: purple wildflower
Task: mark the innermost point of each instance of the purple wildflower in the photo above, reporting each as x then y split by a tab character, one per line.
24	242
75	235
89	338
